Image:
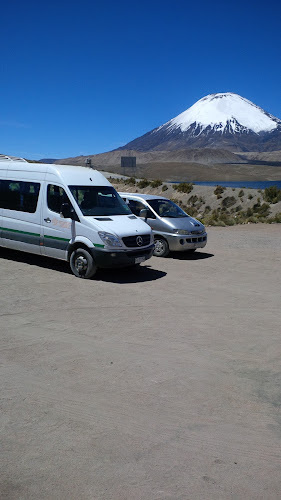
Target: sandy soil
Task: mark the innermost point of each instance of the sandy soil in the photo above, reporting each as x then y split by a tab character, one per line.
162	383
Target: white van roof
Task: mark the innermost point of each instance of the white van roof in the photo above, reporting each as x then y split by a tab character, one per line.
66	174
11	158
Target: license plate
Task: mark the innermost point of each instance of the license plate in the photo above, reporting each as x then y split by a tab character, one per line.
138	260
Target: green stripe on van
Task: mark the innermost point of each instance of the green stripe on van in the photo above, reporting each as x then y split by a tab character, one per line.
17	231
55	238
45	235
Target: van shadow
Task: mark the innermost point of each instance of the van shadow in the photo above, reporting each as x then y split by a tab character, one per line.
129	275
190	256
125	275
35	260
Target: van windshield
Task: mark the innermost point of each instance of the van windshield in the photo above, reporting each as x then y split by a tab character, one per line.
166	208
99	200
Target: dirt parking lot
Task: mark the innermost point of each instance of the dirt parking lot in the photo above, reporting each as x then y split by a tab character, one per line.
157	384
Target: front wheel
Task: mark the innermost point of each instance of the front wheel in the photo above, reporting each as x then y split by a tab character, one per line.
161	247
82	263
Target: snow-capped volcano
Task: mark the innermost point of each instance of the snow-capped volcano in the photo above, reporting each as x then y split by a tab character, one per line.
223	120
225	112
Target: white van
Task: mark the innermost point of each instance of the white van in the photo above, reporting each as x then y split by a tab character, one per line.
173	228
69	213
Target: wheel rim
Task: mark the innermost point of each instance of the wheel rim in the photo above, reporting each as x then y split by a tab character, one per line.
81	264
159	247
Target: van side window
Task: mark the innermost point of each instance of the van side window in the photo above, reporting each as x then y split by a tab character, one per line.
56	196
137	206
19	195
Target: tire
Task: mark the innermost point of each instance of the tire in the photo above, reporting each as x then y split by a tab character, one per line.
192	250
82	263
161	247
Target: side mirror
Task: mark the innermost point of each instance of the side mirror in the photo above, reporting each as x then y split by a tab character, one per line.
143	213
67	211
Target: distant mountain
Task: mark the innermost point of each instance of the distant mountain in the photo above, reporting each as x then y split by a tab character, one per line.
217	121
48	160
204	156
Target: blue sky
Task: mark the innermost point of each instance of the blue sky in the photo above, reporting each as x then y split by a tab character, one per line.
85	78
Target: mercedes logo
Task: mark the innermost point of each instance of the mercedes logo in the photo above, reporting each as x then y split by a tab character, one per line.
139	241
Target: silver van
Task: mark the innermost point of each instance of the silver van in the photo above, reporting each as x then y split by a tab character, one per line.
173	228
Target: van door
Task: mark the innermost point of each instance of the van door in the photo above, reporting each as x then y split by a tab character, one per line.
57	231
21	214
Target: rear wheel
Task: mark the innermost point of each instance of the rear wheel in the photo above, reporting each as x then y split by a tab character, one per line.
82	263
161	247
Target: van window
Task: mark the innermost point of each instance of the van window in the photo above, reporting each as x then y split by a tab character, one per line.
99	200
56	196
19	195
137	206
167	208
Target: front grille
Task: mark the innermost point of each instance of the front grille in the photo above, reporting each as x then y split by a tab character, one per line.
196	240
135	241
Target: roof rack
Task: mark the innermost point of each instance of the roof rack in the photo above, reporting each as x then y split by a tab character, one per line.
11	158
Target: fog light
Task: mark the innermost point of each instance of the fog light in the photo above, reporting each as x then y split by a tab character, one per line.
113	255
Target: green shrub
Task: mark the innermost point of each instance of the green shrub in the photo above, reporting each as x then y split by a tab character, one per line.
192	200
250	197
275	219
219	190
190	210
253	220
272	194
164	187
156	183
264	210
131	181
241	193
228	201
183	187
143	183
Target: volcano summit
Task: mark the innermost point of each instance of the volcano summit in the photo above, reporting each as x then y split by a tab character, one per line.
224	120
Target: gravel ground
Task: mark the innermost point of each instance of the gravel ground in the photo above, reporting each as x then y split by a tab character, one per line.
162	383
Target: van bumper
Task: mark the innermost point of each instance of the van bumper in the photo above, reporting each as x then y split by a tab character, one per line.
182	242
113	258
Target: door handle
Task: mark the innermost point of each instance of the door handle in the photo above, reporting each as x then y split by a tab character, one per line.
48	219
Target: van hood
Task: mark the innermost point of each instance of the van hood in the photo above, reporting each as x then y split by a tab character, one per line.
120	225
187	223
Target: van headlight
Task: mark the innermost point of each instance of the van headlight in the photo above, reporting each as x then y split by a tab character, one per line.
181	231
110	239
